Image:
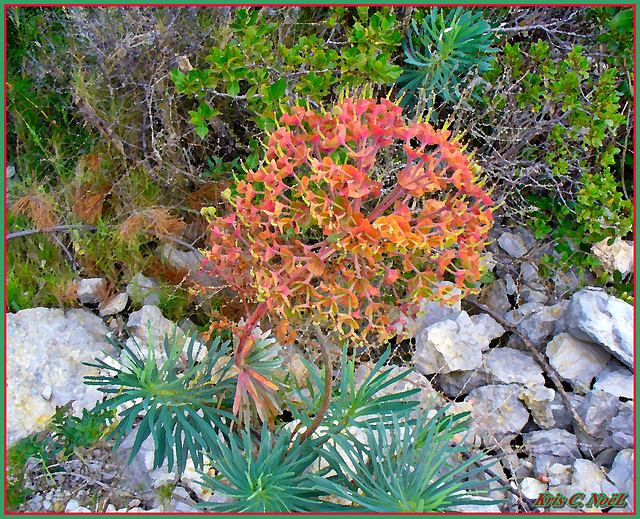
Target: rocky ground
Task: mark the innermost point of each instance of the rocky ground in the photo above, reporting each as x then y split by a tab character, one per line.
545	367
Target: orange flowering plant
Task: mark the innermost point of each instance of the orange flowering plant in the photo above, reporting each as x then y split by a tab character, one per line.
316	235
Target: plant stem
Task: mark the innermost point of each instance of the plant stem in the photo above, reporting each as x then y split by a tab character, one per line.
259	312
328	384
67	228
395	193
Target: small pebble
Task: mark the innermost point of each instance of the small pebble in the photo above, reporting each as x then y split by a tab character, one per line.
72	504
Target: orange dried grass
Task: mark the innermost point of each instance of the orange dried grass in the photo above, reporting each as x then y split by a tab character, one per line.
155	221
66	295
38	209
89	204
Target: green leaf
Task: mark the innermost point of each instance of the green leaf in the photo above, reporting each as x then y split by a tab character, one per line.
405	466
233	88
202	130
273	480
278	88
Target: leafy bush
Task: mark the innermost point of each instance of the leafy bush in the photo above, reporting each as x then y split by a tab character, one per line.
313	235
551	131
263	62
579	150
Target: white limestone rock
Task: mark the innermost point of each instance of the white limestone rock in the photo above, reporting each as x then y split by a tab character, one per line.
512	244
114	305
46	349
509	366
620	478
495	297
535	320
497	411
529	273
432	312
532	487
457	383
555	443
618	256
620	430
587	477
91	291
561	416
149	327
455	345
143	290
538	400
576	361
531	295
191	261
559	474
616	380
597	410
606	320
149	320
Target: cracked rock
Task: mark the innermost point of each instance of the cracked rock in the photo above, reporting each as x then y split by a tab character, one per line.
597	317
597	410
455	345
497	411
620	477
556	443
46	349
575	360
509	366
616	380
91	291
512	244
621	428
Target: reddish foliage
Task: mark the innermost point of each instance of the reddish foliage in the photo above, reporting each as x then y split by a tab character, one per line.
370	255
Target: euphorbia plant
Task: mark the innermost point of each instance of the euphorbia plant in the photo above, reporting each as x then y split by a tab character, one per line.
315	235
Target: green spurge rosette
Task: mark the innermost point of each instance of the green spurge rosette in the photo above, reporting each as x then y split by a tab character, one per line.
442	51
178	400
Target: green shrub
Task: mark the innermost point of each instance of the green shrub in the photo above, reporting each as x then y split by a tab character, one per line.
551	130
264	61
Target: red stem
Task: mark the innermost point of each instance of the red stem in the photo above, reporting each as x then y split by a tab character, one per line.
259	312
389	200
